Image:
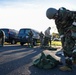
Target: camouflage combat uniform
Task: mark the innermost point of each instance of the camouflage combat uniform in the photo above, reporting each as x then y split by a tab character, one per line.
41	38
63	23
30	38
47	38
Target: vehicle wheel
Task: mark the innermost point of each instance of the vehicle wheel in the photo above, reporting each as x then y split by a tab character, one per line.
21	43
13	42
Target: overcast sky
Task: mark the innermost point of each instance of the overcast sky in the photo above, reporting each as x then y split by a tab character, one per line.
18	14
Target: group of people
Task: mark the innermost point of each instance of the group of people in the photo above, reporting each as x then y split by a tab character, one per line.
45	39
65	21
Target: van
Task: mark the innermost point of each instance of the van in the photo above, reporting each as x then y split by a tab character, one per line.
11	35
23	36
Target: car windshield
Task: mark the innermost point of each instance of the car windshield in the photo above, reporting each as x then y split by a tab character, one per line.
27	31
24	31
21	31
5	30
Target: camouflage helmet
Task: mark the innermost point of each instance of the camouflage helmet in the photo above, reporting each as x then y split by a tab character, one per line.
51	12
62	8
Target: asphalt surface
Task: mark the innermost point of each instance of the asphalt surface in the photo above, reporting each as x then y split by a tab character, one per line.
18	60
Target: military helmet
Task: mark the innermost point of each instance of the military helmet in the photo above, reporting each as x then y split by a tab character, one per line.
51	12
62	8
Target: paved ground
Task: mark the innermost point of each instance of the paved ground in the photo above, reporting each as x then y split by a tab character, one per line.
17	60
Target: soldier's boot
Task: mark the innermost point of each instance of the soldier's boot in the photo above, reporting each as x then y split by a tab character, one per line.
65	68
68	66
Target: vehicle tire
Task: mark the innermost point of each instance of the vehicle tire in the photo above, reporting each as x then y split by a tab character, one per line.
13	42
21	43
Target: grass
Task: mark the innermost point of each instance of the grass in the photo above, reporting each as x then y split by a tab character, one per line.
56	43
53	43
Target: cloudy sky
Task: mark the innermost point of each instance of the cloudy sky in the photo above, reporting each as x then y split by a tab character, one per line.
18	14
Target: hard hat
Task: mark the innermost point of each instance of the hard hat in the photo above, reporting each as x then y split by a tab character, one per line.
51	12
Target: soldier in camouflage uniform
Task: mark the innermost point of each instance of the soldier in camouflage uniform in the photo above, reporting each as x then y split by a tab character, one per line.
2	37
41	38
47	36
64	20
30	38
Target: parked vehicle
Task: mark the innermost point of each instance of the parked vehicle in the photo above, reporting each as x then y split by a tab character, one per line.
11	35
23	36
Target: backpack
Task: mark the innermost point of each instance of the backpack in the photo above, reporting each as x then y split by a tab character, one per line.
46	61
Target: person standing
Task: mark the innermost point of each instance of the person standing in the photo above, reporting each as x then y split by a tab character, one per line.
47	36
2	37
64	20
41	38
30	38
